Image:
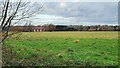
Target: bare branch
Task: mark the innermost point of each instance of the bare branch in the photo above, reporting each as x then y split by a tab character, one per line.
13	13
5	12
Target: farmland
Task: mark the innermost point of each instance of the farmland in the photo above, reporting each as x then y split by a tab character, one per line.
62	48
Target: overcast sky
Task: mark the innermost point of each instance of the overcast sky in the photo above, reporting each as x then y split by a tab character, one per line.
78	13
68	0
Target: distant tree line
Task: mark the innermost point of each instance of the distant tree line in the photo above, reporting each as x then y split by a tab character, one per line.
51	27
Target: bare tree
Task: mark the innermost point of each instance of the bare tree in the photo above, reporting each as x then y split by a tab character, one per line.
12	13
49	27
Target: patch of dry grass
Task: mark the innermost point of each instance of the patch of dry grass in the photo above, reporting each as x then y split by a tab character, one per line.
37	35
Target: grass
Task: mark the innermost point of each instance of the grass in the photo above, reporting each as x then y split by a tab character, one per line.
59	48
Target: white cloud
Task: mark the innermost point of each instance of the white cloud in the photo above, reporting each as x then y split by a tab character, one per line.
66	0
63	4
83	13
52	19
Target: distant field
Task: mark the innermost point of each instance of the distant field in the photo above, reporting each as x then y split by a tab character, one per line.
64	48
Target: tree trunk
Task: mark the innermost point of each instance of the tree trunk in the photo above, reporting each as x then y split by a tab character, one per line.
0	47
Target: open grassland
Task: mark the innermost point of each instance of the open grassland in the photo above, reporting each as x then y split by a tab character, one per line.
62	48
106	35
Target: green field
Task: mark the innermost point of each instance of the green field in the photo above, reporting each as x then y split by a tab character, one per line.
62	48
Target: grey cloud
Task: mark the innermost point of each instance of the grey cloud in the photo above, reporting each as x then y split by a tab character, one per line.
85	11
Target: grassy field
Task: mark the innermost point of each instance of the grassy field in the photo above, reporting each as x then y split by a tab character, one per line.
62	48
